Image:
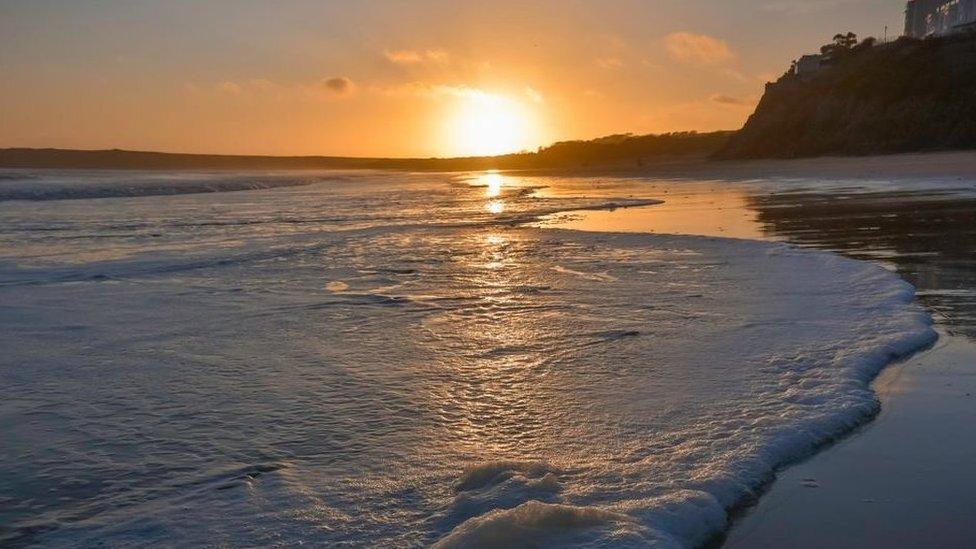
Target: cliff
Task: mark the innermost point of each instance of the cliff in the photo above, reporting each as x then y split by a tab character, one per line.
907	96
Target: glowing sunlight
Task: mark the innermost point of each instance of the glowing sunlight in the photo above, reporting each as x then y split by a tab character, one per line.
493	184
486	124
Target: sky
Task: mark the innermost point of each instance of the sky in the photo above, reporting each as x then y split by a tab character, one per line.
399	78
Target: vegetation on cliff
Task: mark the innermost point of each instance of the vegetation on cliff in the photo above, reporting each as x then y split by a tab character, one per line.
906	96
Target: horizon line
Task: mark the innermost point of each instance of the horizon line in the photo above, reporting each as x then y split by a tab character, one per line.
342	157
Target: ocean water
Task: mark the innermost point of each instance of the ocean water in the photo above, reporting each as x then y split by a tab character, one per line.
380	359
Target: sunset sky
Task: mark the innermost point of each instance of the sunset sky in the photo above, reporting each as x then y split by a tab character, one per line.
395	78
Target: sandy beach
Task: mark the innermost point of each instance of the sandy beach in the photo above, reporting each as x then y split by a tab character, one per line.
900	481
947	166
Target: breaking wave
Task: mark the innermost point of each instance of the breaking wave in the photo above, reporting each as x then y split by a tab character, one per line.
78	186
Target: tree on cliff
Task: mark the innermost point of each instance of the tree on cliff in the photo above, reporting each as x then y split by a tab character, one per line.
841	46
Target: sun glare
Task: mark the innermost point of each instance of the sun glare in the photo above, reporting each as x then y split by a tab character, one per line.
486	124
495	207
493	184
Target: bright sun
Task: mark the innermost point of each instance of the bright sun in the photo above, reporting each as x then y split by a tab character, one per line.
485	124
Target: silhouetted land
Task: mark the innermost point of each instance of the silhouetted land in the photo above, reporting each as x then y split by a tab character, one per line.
907	96
628	149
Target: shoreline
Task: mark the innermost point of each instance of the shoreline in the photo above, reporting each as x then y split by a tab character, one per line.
936	164
876	486
923	229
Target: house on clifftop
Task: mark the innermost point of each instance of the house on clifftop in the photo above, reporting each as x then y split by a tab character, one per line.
809	64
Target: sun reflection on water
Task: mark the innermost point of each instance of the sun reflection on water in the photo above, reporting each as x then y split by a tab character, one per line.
495	249
497	400
496	239
495	206
493	184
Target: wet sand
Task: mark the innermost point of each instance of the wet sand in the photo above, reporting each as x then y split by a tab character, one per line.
903	480
959	165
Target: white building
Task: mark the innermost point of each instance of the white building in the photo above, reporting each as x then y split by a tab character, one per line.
924	18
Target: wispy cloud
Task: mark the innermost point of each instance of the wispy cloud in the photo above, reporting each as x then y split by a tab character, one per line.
431	91
325	88
688	47
731	100
610	62
416	57
736	75
230	88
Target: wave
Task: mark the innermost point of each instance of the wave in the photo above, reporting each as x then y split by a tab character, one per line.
33	187
824	390
536	524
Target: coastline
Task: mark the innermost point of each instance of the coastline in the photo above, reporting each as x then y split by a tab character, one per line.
898	481
916	216
948	165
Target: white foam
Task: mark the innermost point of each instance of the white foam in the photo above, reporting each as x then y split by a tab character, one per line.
535	524
76	184
846	320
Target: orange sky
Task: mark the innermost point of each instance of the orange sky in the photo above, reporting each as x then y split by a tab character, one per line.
395	78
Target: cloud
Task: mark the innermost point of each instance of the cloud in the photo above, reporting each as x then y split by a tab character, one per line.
230	88
339	85
435	91
416	57
403	57
610	63
733	101
736	75
533	94
316	90
688	47
437	56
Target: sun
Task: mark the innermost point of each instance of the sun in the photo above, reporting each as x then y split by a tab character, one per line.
487	124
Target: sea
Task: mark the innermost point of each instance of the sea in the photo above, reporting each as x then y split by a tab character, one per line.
392	359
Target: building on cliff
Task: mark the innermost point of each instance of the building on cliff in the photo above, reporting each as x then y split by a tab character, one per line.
924	18
809	64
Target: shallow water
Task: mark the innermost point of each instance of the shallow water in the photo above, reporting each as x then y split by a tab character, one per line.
395	359
898	482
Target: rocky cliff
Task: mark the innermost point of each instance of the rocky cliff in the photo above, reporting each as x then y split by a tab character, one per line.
910	95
